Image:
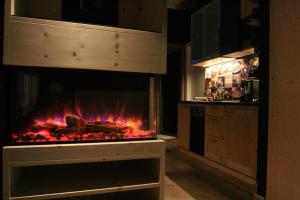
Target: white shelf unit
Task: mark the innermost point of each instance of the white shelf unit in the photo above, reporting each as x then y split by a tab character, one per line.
36	36
72	170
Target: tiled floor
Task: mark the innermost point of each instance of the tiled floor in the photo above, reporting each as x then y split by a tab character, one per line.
186	179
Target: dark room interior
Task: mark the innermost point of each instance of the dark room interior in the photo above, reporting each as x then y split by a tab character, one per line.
158	100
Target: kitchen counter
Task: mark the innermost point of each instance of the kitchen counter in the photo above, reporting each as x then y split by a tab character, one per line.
230	132
237	103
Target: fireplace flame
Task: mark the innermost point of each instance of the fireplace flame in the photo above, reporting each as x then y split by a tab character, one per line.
78	127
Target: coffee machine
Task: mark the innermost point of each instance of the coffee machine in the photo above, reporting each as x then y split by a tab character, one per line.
250	90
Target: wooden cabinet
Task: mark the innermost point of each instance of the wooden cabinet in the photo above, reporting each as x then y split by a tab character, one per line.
242	139
231	137
35	38
215	134
205	32
214	122
215	149
215	30
183	131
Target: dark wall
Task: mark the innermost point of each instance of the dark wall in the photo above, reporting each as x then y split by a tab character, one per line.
4	103
171	92
262	149
3	99
4	84
91	11
179	26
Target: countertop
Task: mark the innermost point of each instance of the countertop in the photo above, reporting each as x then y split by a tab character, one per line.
236	103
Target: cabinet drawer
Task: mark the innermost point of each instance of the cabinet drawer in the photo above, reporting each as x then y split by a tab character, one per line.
214	126
214	110
215	149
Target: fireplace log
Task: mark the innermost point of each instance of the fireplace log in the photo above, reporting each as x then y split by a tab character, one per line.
107	127
80	127
75	122
42	127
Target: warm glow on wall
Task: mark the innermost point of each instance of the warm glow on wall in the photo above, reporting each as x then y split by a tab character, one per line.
226	58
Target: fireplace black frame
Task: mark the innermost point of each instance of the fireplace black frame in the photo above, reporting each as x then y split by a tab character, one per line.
138	78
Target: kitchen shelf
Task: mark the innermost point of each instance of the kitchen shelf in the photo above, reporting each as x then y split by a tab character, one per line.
120	167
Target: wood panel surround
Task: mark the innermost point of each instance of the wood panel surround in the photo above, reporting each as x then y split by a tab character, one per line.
37	172
49	43
283	178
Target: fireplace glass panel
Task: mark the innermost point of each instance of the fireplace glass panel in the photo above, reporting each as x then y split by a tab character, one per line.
60	105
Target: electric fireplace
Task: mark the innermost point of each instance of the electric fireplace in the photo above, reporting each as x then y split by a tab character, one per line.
68	105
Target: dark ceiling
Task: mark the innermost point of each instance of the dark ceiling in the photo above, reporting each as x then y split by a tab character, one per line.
179	19
187	5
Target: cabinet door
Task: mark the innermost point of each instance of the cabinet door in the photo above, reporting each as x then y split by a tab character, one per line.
183	133
205	32
215	149
215	124
212	30
250	141
242	140
197	35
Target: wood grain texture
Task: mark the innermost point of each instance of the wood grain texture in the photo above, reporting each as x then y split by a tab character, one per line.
7	33
223	169
216	135
73	157
183	132
34	44
141	14
192	177
85	179
76	153
37	42
231	137
242	139
257	197
6	177
284	99
215	149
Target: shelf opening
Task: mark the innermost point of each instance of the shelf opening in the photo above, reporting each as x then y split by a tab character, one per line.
94	178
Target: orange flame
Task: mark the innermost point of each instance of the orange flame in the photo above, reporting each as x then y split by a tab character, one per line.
134	132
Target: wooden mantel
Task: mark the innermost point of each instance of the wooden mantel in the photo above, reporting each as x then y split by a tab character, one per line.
39	42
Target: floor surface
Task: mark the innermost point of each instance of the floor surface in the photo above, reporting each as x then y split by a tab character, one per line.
187	179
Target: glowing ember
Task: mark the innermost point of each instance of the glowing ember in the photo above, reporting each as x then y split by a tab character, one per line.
72	127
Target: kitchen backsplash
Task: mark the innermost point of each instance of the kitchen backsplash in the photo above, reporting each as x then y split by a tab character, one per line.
223	81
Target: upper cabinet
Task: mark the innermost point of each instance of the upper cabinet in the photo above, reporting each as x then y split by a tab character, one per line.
215	30
114	35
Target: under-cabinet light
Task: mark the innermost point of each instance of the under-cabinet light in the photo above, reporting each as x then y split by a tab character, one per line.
243	53
214	61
